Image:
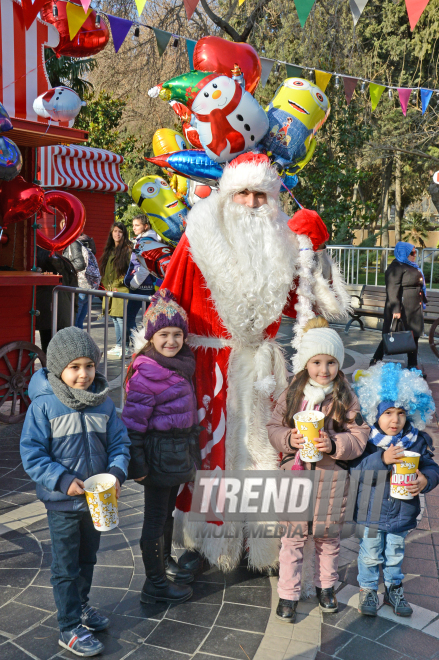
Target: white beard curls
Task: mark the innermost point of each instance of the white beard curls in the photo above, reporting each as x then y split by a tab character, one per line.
261	252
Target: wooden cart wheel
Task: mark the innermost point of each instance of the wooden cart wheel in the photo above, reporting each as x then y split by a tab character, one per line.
19	358
433	338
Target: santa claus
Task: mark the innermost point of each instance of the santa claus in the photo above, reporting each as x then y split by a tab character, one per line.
235	272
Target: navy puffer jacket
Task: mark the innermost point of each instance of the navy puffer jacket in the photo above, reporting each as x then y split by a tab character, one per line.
396	515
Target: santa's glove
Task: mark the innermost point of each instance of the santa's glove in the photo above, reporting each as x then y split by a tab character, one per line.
309	223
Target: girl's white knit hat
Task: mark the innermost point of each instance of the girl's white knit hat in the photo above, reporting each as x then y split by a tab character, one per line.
320	341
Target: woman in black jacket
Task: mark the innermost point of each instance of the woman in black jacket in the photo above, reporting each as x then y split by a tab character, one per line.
405	298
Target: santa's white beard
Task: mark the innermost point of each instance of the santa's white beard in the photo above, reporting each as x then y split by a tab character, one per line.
264	260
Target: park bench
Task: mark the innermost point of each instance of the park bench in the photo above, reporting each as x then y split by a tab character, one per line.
372	300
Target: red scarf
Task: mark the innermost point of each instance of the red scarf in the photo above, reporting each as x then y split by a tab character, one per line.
222	131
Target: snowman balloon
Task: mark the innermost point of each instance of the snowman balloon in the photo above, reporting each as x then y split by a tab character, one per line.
228	120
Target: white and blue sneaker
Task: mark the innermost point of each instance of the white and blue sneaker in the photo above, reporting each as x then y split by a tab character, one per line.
80	641
92	620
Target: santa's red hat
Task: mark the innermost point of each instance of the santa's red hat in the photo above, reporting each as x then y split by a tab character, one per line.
251	172
309	223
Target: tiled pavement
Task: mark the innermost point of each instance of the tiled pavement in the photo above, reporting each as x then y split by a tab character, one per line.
229	616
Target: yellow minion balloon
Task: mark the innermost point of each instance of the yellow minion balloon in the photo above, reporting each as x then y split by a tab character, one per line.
166	212
166	141
298	109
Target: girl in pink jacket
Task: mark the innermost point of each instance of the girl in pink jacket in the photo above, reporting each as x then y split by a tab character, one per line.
319	385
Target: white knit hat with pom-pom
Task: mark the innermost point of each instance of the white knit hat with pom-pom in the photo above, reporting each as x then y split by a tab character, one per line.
319	341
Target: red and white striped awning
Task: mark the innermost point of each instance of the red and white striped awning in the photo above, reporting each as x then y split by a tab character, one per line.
82	168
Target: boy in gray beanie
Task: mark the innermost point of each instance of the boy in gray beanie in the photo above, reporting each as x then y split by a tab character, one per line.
72	432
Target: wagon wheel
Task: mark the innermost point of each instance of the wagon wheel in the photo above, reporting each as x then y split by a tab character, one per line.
433	338
19	358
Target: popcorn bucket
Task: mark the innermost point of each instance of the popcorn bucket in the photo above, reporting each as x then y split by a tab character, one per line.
100	493
404	473
309	423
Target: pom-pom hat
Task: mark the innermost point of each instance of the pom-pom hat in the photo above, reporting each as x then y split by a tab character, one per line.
319	341
164	312
251	172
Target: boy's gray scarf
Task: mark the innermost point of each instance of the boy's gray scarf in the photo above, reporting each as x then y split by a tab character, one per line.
79	399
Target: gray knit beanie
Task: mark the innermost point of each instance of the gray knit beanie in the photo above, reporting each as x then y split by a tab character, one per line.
68	345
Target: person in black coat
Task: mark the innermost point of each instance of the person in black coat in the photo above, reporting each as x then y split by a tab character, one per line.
405	298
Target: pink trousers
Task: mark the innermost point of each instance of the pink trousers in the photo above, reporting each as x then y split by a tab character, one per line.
291	562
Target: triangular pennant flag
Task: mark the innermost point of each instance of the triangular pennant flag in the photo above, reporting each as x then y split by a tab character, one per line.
322	79
31	10
293	71
426	95
76	18
414	10
86	4
119	30
357	8
266	66
139	4
190	6
190	45
303	8
375	92
162	39
241	2
349	87
404	95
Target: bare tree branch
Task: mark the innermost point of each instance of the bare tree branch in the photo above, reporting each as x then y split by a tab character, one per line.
228	29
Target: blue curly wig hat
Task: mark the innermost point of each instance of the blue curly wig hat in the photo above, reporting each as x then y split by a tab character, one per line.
390	382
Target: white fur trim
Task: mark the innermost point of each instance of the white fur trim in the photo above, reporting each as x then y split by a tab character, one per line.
249	176
154	92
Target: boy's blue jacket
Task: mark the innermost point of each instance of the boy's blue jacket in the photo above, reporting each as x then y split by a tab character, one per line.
396	515
58	444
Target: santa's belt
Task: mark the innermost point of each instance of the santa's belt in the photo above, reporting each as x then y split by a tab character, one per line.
201	341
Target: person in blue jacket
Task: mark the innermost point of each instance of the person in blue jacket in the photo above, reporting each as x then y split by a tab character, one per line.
398	405
72	432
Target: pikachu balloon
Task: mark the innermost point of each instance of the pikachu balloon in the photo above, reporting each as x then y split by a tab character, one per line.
166	141
298	109
158	201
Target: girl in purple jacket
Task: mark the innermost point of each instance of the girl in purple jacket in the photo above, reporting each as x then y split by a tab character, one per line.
161	416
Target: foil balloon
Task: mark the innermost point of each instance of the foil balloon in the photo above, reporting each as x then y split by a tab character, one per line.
298	109
90	40
228	119
11	161
198	191
165	211
221	56
192	164
5	121
58	104
153	255
19	199
73	212
166	140
191	135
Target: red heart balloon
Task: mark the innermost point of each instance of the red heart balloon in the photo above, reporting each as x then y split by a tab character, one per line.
74	215
19	199
90	39
219	55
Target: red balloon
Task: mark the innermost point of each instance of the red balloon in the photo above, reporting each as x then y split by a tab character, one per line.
74	215
19	199
90	39
220	56
157	257
191	135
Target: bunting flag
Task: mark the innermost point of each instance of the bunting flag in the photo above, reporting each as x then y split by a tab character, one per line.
375	92
303	8
349	87
31	10
266	66
139	4
322	79
190	45
162	38
415	9
426	95
119	30
293	71
404	95
190	6
241	2
86	4
357	8
76	18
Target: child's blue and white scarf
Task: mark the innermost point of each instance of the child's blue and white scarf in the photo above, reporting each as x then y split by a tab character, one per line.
405	438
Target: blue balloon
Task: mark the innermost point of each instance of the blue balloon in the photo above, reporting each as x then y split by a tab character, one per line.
290	180
191	163
5	122
10	159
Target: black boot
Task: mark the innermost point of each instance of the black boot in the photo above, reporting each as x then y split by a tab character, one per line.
191	560
173	571
286	610
327	600
157	587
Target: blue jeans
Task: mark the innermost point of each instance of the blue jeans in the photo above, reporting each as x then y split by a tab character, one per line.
82	310
118	326
386	549
75	543
132	311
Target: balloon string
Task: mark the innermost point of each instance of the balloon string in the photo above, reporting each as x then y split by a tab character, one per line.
291	194
28	72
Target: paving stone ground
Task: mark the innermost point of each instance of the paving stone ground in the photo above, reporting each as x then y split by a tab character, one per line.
230	616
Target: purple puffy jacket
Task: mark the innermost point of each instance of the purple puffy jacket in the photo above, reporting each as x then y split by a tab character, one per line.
158	399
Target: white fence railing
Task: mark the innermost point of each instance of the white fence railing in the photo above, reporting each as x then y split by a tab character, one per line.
361	265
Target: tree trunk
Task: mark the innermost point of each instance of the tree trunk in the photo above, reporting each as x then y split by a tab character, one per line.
385	211
398	198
